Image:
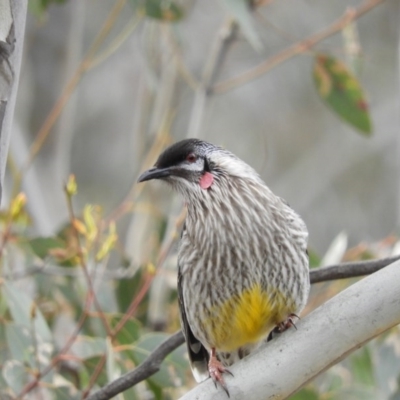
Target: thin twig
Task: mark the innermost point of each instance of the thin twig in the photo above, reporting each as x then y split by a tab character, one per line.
350	269
295	49
148	367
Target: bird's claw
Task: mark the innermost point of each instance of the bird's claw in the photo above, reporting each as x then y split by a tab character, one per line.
288	323
216	369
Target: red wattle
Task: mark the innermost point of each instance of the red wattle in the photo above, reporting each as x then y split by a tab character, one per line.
206	180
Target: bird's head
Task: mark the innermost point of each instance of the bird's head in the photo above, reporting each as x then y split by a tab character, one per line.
194	167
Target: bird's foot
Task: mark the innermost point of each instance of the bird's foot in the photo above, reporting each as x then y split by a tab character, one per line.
288	323
216	369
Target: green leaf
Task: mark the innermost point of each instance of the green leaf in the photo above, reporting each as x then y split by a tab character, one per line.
112	368
39	7
396	394
3	348
341	91
386	359
354	392
66	393
24	312
241	12
41	245
127	289
86	347
25	348
19	342
362	368
54	247
129	333
15	375
131	394
314	259
163	10
156	390
305	394
74	298
174	366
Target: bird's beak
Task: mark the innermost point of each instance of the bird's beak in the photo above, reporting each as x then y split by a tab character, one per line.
154	173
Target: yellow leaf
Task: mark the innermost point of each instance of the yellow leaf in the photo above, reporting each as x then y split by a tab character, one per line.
151	269
33	311
17	205
108	243
71	186
89	213
79	226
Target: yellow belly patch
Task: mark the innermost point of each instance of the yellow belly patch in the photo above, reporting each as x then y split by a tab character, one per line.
247	318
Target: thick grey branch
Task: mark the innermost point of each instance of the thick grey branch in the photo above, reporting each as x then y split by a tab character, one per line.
149	367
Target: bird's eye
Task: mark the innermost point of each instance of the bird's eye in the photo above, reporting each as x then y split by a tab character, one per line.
191	157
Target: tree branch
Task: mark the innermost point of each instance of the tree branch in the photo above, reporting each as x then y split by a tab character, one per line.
350	269
149	367
295	49
152	363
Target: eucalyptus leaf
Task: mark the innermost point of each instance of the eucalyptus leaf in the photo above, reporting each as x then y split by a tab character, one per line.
342	92
113	371
86	347
241	12
163	10
54	247
63	389
24	311
362	367
39	7
129	333
41	245
14	373
387	356
305	394
24	347
19	342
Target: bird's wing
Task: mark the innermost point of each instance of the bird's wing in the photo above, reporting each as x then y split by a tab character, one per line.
198	354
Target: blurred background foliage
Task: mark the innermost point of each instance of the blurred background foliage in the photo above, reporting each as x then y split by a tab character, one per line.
304	91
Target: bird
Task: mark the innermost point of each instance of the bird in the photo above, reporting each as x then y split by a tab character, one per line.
243	267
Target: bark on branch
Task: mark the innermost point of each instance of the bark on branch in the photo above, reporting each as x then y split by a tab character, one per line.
12	28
